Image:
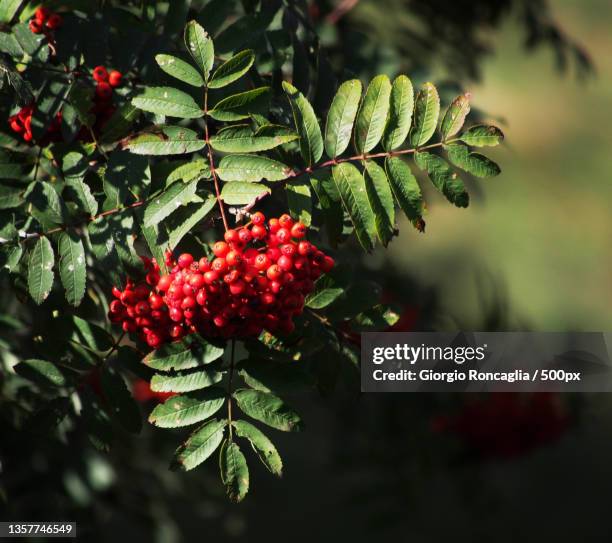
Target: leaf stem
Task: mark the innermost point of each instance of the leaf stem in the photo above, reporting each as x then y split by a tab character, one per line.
211	161
229	390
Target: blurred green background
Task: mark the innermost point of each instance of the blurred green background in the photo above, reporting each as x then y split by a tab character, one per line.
542	231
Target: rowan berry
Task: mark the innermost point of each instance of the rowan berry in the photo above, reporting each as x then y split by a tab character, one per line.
114	78
100	74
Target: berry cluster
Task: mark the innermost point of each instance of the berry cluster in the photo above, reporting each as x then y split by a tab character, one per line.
45	22
21	123
256	280
106	81
504	425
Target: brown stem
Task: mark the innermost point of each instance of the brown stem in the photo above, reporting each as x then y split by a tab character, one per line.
213	171
229	389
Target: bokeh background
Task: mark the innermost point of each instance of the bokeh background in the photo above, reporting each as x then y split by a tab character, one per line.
532	252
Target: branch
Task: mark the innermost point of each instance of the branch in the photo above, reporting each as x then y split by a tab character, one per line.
211	160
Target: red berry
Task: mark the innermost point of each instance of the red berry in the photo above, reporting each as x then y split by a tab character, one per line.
163	283
35	26
100	74
244	235
41	14
298	230
285	263
230	236
188	302
219	264
328	264
258	218
211	276
201	297
55	21
274	272
237	287
262	262
285	221
288	249
114	78
220	248
185	260
203	264
116	307
304	248
104	91
142	308
156	301
258	231
283	235
196	280
233	258
175	314
273	225
16	126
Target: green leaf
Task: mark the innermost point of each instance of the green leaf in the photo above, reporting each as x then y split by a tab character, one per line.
331	207
381	201
240	139
179	69
351	187
299	200
200	445
75	167
72	267
474	163
40	270
269	409
186	218
80	97
378	318
41	372
168	101
406	190
91	335
242	105
270	376
190	352
200	47
104	248
251	168
122	405
307	125
8	8
426	113
159	207
232	69
126	175
264	448
10	196
32	44
455	116
120	124
341	117
185	382
46	206
234	471
482	136
372	116
444	178
170	140
188	409
194	170
242	193
10	256
325	293
400	113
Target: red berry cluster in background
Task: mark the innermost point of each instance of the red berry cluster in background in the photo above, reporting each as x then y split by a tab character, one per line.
106	81
257	280
505	425
141	390
45	22
21	123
